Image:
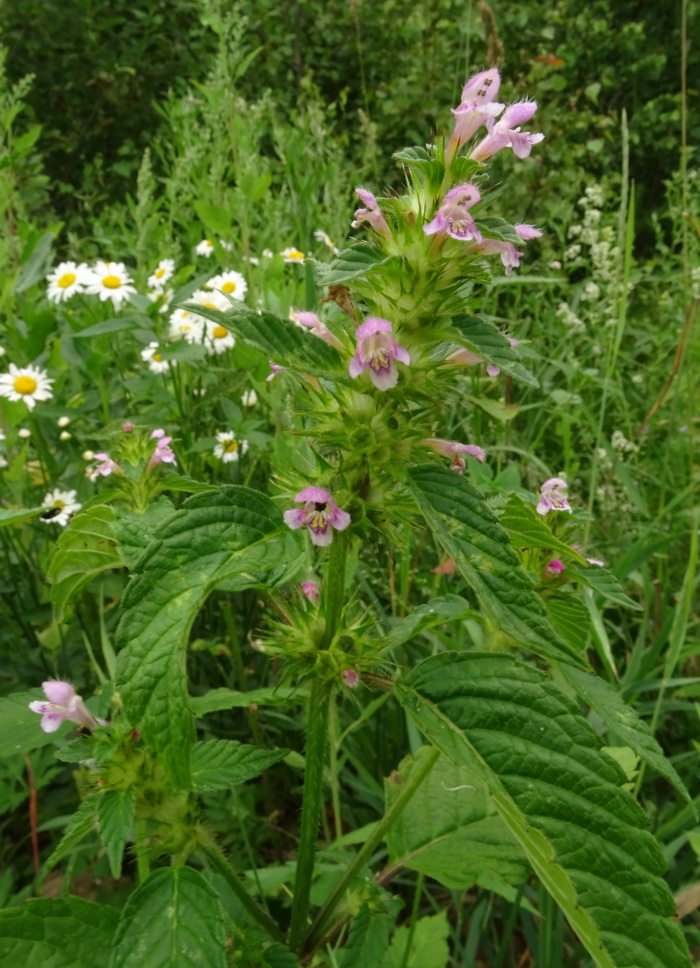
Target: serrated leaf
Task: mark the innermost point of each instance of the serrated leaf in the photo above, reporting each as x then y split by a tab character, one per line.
358	260
83	821
447	608
116	813
19	726
217	699
234	533
450	830
279	956
9	516
367	941
134	532
561	797
529	529
278	339
85	548
624	723
219	764
571	619
428	946
605	584
175	916
472	535
483	338
63	933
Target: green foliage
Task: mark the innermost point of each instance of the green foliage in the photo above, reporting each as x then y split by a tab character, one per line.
63	933
423	947
481	336
220	764
116	812
18	725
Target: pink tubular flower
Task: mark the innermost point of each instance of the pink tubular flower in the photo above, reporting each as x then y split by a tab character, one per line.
311	590
506	133
276	368
376	351
312	322
453	218
551	497
351	678
63	703
163	453
372	213
510	256
476	107
105	468
320	514
455	451
554	568
467	358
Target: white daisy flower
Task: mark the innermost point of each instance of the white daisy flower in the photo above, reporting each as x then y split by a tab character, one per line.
218	339
249	398
229	282
292	255
110	280
205	248
161	294
26	383
212	300
322	236
162	274
156	363
229	449
67	279
24	433
60	505
185	324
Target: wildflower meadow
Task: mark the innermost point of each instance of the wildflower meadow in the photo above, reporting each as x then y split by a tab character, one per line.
348	490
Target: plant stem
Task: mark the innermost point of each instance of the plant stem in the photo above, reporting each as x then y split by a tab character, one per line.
414	781
334	586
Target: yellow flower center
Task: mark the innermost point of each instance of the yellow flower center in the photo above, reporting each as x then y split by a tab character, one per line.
59	504
158	273
232	447
67	279
210	305
220	332
25	385
111	282
229	287
295	254
157	357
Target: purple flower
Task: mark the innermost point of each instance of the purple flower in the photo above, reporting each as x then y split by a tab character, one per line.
163	452
551	497
311	590
455	451
320	514
63	703
453	218
312	322
477	106
554	568
351	678
510	256
105	468
377	350
372	213
506	133
276	368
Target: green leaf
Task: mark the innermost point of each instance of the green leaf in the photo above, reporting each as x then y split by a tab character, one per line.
85	548
278	339
217	699
367	941
78	827
448	608
560	795
450	830
36	266
214	217
358	260
134	532
9	516
19	726
219	764
279	956
624	723
529	529
175	917
63	933
471	534
428	946
571	619
112	326
483	338
235	534
605	584
116	813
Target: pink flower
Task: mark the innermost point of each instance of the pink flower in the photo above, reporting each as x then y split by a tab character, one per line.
163	453
317	327
127	427
63	703
372	213
276	368
551	497
506	133
376	351
554	569
311	590
105	468
591	561
477	106
453	218
320	514
351	678
510	256
467	358
455	451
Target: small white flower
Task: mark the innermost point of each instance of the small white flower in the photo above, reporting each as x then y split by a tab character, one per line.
292	255
24	433
2	436
229	449
162	274
161	294
229	282
65	435
110	280
205	248
26	383
249	398
67	279
60	505
218	339
268	254
156	363
88	455
3	462
253	260
322	236
2	351
63	421
183	324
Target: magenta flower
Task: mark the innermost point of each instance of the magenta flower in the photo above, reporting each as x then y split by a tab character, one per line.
376	351
311	590
455	451
467	358
554	568
163	453
320	514
477	106
453	218
506	133
276	368
105	468
371	214
312	322
351	678
510	256
552	498
63	703
127	427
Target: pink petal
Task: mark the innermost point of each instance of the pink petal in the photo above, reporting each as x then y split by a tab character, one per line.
315	494
294	518
386	379
58	693
373	326
50	722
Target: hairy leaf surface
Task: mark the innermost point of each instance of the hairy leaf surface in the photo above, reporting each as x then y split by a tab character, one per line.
447	608
116	812
219	764
85	548
357	260
62	933
483	338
